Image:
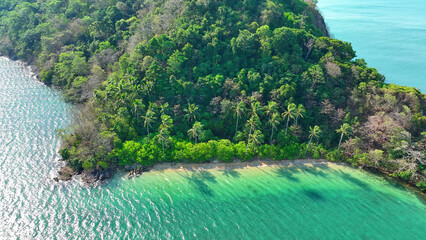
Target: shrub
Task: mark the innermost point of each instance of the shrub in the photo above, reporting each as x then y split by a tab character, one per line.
403	174
268	152
87	165
422	185
128	153
225	151
65	153
102	164
362	159
240	152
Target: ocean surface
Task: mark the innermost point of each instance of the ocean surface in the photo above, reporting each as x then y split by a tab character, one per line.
303	202
389	34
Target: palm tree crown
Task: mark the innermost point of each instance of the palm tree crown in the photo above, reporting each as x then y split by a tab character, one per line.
191	112
148	118
239	112
314	132
255	108
290	113
274	121
271	108
163	133
345	129
300	111
195	131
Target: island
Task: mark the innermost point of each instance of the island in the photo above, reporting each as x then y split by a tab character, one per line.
202	80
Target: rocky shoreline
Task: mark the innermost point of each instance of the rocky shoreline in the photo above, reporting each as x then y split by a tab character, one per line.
66	173
91	177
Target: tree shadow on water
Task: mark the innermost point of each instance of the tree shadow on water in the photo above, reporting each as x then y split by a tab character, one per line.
231	173
198	180
287	173
317	171
354	180
313	195
207	176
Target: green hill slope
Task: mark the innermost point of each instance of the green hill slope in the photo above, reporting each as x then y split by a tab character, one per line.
194	81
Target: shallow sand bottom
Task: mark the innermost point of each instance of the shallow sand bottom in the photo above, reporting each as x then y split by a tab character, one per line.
240	165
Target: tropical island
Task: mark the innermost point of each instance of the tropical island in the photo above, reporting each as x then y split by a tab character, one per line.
200	81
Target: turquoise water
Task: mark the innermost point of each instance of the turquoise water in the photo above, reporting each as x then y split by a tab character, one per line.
304	202
389	34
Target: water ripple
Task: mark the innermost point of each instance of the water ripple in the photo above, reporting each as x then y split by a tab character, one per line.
265	203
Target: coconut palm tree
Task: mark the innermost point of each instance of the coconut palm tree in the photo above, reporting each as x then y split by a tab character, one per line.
148	118
137	106
256	139
195	131
314	133
191	112
290	113
163	133
274	121
345	129
239	112
271	108
121	93
148	87
300	111
163	107
254	119
255	108
251	124
162	137
166	122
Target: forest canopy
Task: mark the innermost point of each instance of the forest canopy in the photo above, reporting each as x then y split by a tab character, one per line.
202	80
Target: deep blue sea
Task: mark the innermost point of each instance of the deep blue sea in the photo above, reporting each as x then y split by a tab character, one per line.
389	34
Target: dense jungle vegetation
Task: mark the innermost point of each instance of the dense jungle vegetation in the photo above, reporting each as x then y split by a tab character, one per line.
203	80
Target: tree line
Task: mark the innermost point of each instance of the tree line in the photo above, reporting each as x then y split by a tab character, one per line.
186	79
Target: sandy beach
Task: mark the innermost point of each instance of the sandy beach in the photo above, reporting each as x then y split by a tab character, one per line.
236	165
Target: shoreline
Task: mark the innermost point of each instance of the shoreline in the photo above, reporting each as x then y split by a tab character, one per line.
237	165
215	165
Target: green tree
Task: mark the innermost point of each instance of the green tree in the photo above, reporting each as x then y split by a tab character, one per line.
137	106
271	109
313	133
191	112
239	110
195	131
256	139
274	121
300	111
149	118
289	113
255	108
345	129
251	124
164	107
164	131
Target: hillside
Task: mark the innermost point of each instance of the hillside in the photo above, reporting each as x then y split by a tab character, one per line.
194	81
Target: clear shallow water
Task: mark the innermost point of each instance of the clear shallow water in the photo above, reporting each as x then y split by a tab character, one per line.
317	202
389	34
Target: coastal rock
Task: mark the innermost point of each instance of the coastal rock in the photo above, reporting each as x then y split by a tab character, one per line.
319	23
95	175
105	175
89	177
66	173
